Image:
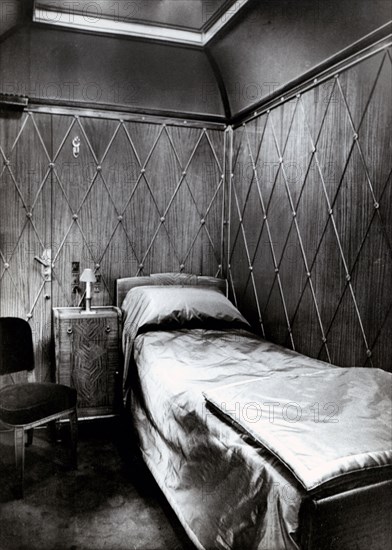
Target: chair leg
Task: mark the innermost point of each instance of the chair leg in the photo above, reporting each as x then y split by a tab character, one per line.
53	431
73	425
19	459
30	435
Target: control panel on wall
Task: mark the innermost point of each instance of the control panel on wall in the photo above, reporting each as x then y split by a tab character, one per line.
88	357
75	281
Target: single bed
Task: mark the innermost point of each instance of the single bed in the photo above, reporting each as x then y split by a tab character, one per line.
199	387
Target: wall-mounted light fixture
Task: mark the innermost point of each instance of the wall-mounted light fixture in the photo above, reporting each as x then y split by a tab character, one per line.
76	146
88	277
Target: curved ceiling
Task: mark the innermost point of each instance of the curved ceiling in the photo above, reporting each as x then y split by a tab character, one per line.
279	41
267	47
58	66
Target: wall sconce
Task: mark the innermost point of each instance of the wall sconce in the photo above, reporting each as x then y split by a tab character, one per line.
76	146
88	277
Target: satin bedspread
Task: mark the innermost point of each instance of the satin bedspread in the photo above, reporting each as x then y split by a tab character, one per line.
323	423
227	491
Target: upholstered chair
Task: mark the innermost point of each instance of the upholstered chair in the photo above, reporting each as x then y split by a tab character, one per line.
28	405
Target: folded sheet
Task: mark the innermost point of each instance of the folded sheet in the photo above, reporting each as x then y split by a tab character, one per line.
322	423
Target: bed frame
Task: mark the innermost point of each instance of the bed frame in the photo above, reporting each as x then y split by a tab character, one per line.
354	519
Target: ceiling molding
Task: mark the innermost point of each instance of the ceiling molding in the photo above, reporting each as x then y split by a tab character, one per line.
100	24
125	112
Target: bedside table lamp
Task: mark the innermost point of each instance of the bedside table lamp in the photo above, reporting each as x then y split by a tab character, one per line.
88	277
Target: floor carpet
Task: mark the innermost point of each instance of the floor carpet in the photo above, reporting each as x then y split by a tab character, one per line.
111	502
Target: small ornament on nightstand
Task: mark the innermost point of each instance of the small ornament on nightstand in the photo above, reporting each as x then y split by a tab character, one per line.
88	277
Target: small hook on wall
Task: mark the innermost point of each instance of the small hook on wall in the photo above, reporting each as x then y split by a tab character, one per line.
76	146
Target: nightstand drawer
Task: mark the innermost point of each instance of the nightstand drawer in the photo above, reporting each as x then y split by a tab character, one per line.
88	357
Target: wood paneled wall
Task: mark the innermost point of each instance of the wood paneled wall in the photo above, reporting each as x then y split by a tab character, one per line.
311	218
310	240
141	197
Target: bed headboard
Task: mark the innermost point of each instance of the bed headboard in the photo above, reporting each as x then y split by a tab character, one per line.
124	285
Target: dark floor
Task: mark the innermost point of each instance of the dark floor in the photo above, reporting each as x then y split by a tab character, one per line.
111	502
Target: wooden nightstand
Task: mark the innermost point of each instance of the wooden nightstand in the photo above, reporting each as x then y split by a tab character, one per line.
88	357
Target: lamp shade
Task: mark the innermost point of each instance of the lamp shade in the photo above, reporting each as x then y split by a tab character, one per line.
88	276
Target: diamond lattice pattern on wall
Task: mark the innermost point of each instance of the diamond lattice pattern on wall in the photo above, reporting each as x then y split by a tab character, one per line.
149	199
310	252
140	198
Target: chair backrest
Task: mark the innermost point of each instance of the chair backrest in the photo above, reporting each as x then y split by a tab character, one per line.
16	345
